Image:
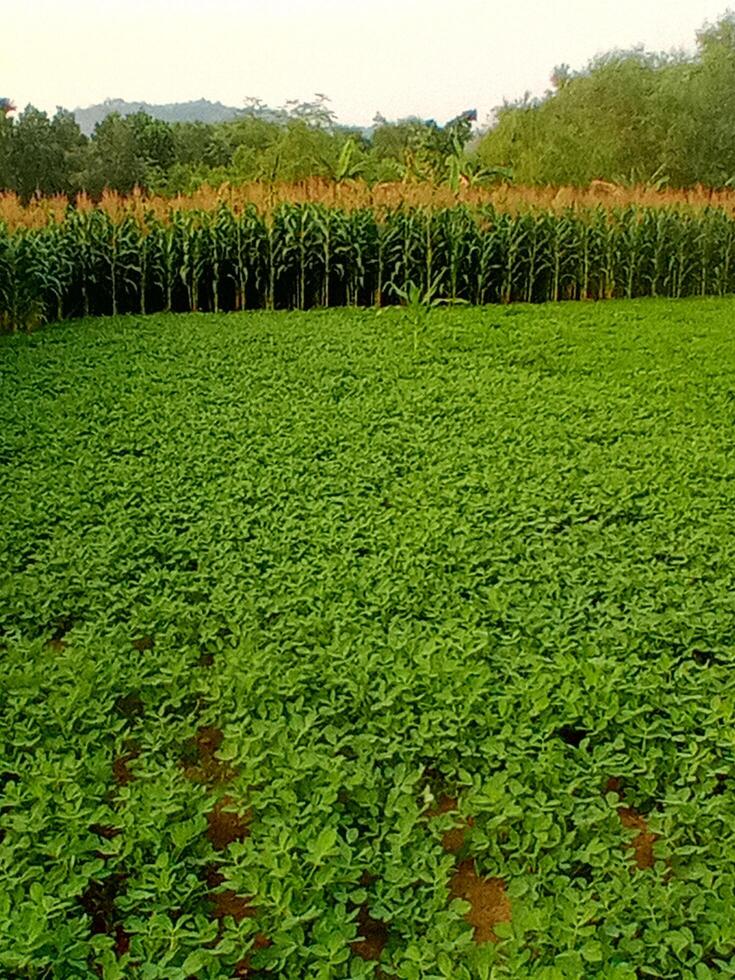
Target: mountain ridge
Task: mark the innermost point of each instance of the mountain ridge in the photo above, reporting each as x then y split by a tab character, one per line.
196	110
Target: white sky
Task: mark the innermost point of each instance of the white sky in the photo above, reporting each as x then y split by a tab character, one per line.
431	58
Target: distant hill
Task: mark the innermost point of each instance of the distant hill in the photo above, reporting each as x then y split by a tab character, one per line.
200	111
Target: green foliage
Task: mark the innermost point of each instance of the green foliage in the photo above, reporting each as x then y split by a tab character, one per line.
629	117
503	571
300	256
419	149
39	155
417	303
302	140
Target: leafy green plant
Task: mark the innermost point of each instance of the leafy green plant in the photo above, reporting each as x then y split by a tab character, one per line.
298	256
313	651
417	302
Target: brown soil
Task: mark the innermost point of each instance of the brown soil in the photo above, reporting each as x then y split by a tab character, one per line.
226	824
98	901
61	628
226	902
452	840
200	762
122	941
121	769
229	902
642	844
105	830
488	901
142	643
207	740
374	936
631	819
213	876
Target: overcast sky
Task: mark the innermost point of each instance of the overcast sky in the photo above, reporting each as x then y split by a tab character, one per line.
431	58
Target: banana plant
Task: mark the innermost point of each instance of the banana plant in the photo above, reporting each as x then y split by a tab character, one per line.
349	165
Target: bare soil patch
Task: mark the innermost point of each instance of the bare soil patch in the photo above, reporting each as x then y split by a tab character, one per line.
200	761
226	824
373	933
452	840
642	844
489	903
121	766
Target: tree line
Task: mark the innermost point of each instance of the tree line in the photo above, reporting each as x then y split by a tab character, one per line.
40	155
628	117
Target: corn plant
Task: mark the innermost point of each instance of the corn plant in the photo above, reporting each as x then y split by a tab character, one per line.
122	258
417	302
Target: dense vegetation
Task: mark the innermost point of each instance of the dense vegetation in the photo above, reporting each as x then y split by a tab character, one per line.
39	155
629	117
126	257
308	635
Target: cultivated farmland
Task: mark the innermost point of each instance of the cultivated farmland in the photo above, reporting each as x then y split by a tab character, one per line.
216	254
336	645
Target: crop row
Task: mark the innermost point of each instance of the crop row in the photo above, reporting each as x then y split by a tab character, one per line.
306	255
353	195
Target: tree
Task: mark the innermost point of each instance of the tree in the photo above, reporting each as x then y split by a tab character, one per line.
34	158
708	122
602	122
302	150
154	143
628	116
316	112
116	160
70	149
6	135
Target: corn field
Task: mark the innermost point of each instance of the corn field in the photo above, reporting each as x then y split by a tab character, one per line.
356	194
105	260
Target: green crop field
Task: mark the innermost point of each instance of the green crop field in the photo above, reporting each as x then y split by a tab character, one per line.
337	648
